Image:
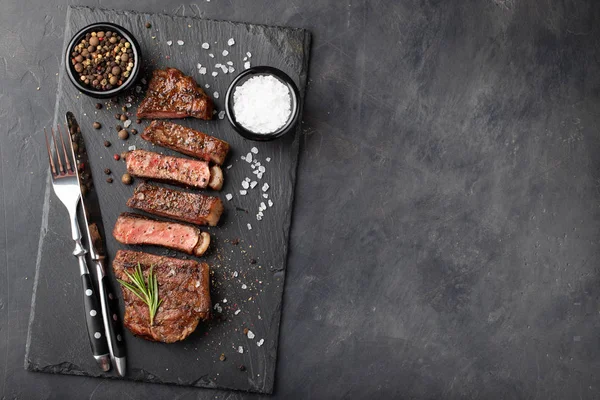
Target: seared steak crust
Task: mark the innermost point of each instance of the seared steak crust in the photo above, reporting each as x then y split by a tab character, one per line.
173	95
184	287
186	141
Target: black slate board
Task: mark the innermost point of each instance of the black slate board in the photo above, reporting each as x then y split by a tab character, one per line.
57	342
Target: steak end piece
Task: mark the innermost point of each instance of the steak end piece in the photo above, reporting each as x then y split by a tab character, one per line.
176	170
183	287
171	94
132	228
194	208
186	141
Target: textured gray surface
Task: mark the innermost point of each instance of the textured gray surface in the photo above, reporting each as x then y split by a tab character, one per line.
253	289
445	233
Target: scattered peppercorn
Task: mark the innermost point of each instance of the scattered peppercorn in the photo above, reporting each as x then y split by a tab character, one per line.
148	25
118	128
246	331
222	357
134	132
109	180
117	116
235	242
126	179
107	171
117	157
97	125
106	143
253	261
123	134
138	121
124	109
98	105
242	368
124	117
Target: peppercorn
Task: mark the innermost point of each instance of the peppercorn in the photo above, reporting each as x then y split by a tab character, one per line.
242	368
123	134
124	117
222	357
109	180
106	143
117	116
126	179
148	25
97	125
124	109
134	132
118	128
117	157
246	331
253	261
138	121
98	106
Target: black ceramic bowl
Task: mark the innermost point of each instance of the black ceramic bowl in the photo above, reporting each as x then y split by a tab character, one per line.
103	94
283	78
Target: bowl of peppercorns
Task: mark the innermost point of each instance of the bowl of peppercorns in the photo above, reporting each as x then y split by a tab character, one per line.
103	60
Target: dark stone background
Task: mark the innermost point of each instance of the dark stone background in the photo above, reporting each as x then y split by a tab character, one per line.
446	229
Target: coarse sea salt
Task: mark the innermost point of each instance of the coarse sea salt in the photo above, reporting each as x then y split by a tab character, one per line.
262	104
180	42
229	196
231	42
205	45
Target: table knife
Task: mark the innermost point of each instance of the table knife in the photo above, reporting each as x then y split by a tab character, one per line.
95	232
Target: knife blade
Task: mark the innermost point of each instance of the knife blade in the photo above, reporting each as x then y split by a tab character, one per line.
94	229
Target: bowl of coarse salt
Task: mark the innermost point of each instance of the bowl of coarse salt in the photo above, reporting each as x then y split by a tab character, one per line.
262	103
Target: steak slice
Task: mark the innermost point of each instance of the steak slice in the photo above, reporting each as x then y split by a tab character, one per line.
195	208
133	228
177	170
173	95
183	287
187	141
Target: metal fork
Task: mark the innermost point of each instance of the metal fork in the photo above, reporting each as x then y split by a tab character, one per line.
65	182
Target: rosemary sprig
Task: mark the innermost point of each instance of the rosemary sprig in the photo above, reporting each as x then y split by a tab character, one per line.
146	291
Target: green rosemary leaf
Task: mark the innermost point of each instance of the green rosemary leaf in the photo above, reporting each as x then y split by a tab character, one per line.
146	290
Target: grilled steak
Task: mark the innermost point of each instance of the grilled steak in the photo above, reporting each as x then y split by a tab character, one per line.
137	229
173	95
183	287
187	207
192	173
186	141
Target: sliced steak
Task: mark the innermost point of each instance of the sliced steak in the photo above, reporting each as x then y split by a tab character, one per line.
195	208
173	95
187	141
133	228
177	170
183	287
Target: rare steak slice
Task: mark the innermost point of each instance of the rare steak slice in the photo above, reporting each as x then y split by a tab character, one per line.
176	170
133	228
194	208
173	95
187	141
183	287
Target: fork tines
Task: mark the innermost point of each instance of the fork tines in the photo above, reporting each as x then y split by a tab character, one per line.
66	168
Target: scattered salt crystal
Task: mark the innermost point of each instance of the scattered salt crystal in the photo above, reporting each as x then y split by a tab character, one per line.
205	46
235	274
131	148
243	192
265	187
225	52
266	196
127	123
180	42
253	166
263	205
243	158
245	184
202	70
211	55
244	285
254	150
169	42
260	342
250	335
218	65
248	54
249	228
259	175
245	58
253	184
215	73
224	300
270	202
229	62
240	350
128	105
231	70
221	114
268	159
198	65
218	308
258	217
249	157
262	168
216	95
207	86
224	69
229	196
247	65
229	166
237	312
231	42
138	89
247	179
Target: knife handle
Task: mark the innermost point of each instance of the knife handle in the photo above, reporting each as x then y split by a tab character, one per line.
112	322
95	325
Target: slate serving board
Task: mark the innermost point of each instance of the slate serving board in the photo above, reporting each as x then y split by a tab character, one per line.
246	276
